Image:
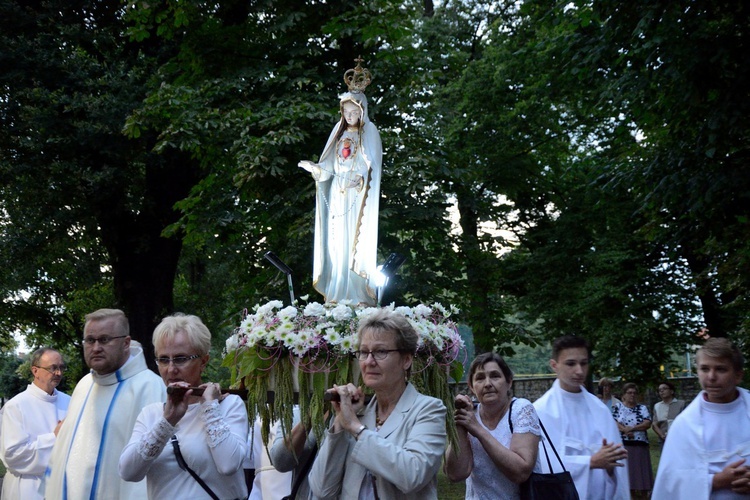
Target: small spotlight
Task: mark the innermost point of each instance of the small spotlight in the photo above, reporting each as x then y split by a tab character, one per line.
391	265
386	272
279	264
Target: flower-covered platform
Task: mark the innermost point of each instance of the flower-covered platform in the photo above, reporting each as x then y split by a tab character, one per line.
293	354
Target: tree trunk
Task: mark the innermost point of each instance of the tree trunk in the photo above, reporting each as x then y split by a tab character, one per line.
704	288
144	262
478	296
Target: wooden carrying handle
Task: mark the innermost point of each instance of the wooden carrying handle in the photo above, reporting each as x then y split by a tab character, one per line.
198	391
334	396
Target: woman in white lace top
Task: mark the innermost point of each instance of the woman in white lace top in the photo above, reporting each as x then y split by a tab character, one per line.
493	459
210	429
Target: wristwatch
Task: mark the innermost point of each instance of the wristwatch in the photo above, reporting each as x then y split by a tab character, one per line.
359	431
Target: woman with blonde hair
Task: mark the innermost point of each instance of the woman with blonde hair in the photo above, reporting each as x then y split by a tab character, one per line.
194	444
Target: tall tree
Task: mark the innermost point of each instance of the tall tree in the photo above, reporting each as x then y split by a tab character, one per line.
85	206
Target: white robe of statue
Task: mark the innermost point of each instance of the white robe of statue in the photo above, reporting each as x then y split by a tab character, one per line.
346	215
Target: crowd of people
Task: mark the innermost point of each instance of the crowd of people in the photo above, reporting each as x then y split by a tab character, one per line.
126	434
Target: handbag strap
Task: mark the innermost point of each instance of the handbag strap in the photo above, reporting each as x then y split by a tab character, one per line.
546	455
303	473
553	449
184	466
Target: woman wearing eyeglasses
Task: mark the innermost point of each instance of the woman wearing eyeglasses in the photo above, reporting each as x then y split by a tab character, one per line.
391	448
633	420
191	446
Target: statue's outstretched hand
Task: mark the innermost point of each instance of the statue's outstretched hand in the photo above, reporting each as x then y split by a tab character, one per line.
307	165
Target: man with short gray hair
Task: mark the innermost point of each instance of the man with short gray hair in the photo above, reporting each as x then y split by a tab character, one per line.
30	423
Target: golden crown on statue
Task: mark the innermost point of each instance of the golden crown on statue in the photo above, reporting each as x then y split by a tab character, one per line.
357	78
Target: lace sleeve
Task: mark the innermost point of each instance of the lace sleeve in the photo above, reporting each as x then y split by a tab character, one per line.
153	441
525	419
216	429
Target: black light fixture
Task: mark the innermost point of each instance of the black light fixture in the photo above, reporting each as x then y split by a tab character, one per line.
279	264
388	271
391	264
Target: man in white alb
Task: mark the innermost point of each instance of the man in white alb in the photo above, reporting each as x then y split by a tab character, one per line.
102	413
30	424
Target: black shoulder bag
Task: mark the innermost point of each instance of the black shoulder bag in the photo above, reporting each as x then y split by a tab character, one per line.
552	486
184	466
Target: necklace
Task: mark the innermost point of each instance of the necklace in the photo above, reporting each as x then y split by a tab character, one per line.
378	421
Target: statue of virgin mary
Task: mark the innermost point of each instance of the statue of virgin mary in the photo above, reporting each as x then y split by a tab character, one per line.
347	180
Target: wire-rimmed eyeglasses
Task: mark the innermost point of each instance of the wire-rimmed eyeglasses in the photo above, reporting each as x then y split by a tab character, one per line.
378	354
54	368
177	360
104	340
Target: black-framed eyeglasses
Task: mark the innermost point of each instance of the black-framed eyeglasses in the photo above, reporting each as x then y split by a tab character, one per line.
54	368
106	339
177	360
378	354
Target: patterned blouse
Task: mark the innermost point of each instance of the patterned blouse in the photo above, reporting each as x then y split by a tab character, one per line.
631	417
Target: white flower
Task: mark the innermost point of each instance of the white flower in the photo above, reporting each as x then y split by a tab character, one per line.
233	342
297	329
404	311
341	312
314	309
289	312
366	312
347	344
332	336
247	323
267	309
285	326
422	310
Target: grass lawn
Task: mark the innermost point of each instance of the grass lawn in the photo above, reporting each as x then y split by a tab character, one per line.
448	490
655	449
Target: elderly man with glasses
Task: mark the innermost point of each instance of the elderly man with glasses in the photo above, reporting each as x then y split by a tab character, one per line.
102	413
30	424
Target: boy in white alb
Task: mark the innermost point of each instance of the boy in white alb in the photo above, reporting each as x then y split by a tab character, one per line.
581	427
708	450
